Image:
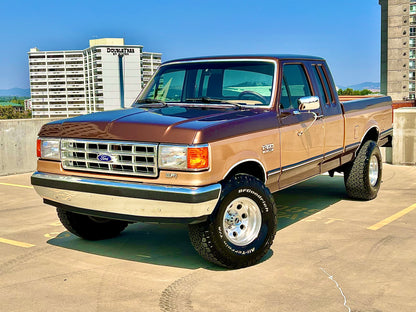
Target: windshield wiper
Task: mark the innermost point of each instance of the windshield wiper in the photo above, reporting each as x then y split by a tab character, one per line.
151	103
213	101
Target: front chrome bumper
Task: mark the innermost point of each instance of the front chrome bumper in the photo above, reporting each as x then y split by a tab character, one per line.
126	198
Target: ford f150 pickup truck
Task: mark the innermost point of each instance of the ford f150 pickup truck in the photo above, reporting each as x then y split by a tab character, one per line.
207	142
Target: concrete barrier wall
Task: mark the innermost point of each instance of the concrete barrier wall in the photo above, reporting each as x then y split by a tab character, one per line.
404	136
386	154
18	144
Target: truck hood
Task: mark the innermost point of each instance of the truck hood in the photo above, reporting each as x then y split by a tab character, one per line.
176	124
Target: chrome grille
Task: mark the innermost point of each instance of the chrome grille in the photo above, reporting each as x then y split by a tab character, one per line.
111	157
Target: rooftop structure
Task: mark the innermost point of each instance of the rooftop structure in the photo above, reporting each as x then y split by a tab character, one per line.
107	75
398	48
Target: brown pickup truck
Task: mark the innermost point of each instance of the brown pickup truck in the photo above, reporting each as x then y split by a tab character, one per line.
206	143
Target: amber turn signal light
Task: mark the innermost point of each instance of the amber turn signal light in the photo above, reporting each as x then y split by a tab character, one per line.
198	157
38	148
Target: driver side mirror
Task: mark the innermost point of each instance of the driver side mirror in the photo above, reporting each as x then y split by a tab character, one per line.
308	103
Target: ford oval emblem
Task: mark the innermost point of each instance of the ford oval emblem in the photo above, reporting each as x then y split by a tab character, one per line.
104	157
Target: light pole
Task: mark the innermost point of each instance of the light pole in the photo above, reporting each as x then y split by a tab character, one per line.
120	69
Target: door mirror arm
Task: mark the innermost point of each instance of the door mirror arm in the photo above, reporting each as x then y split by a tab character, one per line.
315	118
307	104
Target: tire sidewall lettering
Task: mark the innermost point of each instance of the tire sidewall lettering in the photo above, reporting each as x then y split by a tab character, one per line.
263	205
211	238
239	252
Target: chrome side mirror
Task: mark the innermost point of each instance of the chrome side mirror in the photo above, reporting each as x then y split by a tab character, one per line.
308	103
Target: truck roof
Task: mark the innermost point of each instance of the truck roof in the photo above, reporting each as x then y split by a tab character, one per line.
250	56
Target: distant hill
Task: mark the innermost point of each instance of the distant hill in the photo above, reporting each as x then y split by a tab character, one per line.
362	86
15	92
366	85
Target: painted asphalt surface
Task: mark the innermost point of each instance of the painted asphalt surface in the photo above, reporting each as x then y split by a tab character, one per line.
330	254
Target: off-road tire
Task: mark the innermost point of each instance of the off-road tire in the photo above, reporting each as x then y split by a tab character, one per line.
90	228
357	176
212	239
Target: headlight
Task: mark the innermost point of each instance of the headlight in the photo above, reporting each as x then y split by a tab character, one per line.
49	148
181	157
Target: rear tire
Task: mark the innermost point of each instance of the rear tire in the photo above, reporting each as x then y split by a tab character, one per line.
363	177
242	227
88	227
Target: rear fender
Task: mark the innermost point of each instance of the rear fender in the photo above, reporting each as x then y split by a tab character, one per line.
373	133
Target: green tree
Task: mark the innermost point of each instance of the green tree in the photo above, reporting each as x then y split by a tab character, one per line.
9	112
350	91
16	100
365	92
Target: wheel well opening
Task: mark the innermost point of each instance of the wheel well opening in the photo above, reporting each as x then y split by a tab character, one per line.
372	134
251	168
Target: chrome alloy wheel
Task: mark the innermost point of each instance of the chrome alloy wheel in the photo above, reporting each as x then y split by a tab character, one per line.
373	170
242	221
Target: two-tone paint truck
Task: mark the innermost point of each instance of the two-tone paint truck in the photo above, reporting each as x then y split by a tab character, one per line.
207	142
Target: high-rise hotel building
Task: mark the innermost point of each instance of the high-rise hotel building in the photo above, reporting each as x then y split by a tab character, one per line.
107	75
398	49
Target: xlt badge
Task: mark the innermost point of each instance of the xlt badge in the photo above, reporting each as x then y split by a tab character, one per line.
267	148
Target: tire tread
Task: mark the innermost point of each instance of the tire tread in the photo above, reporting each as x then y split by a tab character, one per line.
84	227
201	234
356	175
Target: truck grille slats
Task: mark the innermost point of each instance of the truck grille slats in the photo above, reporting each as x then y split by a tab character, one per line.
139	159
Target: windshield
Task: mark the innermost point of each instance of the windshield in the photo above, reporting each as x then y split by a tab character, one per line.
212	82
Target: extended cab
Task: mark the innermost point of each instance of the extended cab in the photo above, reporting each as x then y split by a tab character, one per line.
207	142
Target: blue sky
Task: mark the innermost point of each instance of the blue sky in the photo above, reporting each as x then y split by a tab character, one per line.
345	32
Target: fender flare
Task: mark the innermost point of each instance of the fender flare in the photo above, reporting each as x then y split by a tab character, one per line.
248	160
372	127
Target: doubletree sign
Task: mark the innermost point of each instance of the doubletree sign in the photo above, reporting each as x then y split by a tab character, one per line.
117	51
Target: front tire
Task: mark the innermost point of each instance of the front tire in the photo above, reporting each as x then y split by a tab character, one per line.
242	228
363	177
88	227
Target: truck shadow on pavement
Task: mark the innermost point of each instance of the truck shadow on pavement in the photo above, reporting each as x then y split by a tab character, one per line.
169	245
307	198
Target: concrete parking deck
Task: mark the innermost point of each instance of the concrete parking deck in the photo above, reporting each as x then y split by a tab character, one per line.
330	254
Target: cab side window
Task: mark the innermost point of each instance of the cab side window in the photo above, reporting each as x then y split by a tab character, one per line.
322	92
325	79
295	85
